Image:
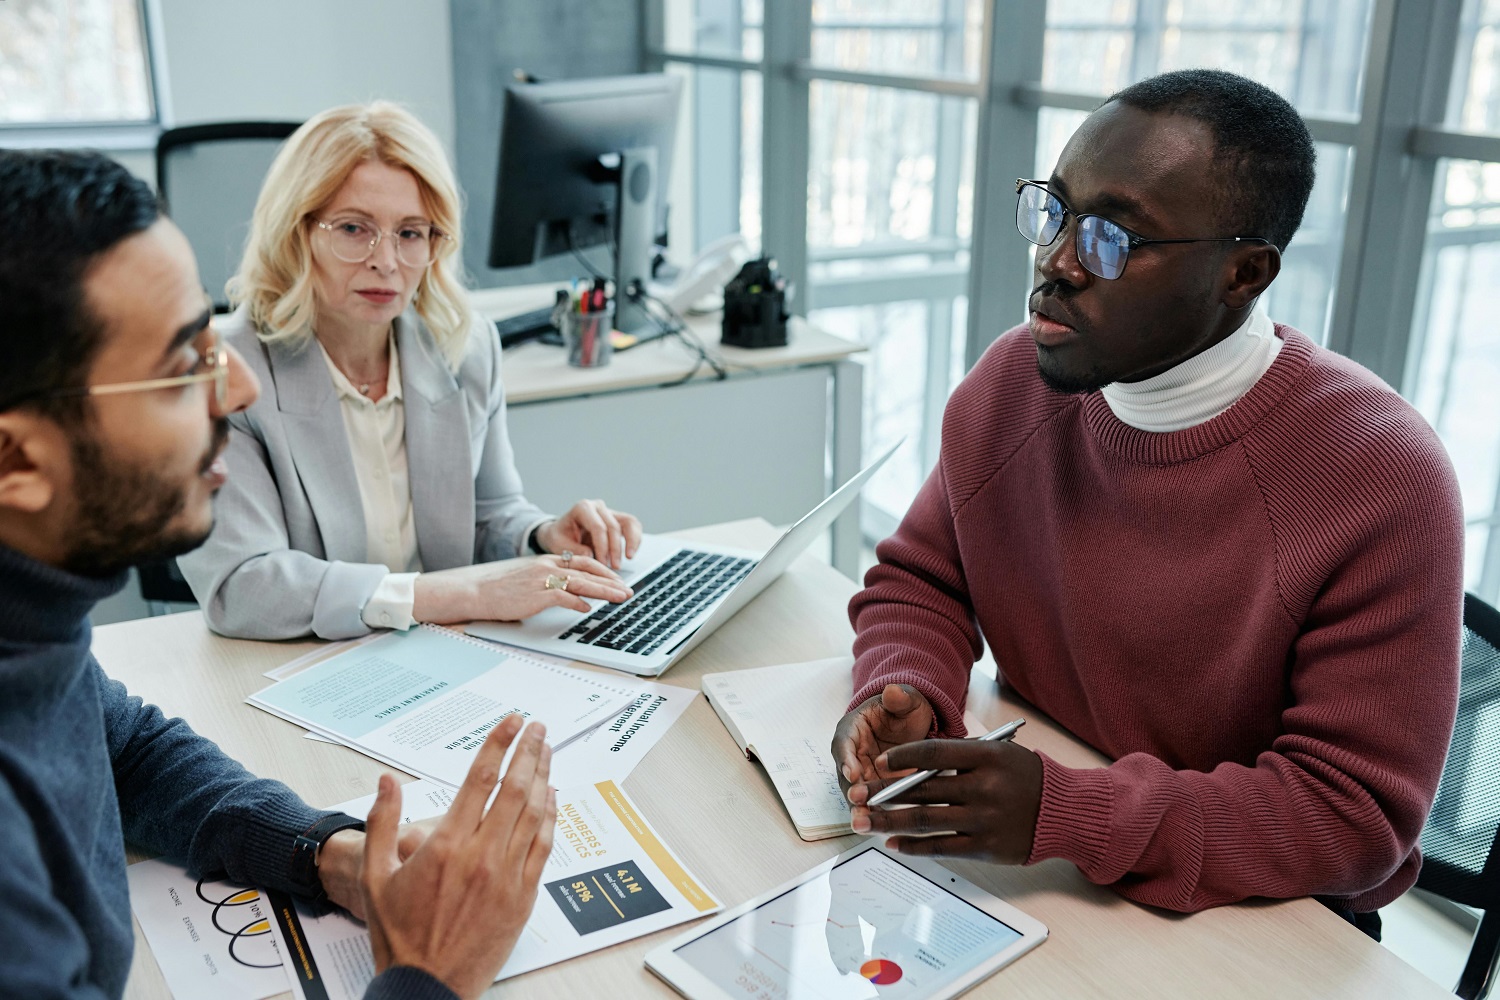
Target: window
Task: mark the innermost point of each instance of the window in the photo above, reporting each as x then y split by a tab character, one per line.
884	211
916	354
1310	53
890	208
73	62
909	160
888	167
723	28
1456	343
715	182
933	38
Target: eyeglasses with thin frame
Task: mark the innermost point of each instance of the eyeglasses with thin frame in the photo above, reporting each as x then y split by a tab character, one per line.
212	366
353	240
1103	246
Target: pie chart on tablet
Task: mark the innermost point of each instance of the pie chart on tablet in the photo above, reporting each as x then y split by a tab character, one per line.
881	971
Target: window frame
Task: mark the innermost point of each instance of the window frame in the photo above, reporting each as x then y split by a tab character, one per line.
1396	138
788	72
122	136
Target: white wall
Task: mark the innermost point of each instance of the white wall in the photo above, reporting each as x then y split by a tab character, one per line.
289	59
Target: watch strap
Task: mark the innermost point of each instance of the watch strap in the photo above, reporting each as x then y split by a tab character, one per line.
305	847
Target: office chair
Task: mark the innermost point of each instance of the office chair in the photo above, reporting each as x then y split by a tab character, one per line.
209	176
1460	860
162	584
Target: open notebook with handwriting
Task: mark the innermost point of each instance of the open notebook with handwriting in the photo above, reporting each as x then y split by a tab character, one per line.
784	716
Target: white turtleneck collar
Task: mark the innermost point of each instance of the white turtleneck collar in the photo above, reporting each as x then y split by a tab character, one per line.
1203	386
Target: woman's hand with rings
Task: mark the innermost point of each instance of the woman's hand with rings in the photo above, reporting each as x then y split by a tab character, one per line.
589	526
514	589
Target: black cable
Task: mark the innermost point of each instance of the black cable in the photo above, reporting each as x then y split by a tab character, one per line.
573	246
675	326
685	334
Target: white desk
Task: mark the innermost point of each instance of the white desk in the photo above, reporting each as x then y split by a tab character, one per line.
724	818
770	440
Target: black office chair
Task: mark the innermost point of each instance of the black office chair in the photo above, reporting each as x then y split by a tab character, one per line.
209	176
162	584
1460	860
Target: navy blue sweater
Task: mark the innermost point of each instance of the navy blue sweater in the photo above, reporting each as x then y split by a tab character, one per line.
84	766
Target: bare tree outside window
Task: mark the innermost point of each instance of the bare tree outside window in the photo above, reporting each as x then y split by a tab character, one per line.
73	61
1455	355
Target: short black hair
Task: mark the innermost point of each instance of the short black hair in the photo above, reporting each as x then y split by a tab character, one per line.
1260	140
62	210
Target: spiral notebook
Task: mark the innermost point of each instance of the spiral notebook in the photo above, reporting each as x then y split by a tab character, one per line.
424	700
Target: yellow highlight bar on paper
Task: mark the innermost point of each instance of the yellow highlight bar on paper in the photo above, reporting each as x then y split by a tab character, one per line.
654	848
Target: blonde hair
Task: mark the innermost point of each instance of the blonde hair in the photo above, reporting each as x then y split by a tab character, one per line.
275	275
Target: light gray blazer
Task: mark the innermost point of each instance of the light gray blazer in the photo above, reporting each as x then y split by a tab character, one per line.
287	554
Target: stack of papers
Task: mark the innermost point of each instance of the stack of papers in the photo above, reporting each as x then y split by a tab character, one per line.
609	878
424	700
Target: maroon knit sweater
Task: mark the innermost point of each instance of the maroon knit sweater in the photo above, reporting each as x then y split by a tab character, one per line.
1257	618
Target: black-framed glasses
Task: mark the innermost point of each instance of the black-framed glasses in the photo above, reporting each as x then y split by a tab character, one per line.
353	240
212	366
1103	246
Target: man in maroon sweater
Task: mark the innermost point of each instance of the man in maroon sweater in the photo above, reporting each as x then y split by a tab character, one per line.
1232	565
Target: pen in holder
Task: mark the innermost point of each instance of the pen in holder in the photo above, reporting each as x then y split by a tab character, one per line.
586	335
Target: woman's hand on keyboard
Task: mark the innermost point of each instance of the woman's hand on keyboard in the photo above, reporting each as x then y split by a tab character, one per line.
513	589
589	527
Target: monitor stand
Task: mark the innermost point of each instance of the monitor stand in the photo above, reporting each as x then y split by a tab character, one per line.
635	236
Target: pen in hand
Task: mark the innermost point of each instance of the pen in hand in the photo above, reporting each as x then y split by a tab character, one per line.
911	781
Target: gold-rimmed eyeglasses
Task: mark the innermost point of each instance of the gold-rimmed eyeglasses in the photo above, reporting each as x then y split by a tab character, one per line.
353	240
212	365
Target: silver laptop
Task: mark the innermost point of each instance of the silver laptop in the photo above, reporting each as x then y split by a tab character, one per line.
682	593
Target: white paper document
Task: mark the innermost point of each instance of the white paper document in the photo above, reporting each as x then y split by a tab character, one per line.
213	939
424	700
609	879
210	939
613	749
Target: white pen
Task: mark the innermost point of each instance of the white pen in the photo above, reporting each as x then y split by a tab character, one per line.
911	781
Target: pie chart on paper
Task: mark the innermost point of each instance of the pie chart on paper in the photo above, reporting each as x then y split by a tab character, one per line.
881	971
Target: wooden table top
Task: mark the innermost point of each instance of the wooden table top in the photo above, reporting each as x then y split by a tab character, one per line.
721	814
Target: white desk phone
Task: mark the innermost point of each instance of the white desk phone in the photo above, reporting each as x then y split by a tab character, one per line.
705	276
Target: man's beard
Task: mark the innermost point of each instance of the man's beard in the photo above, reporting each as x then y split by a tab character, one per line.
1068	384
123	516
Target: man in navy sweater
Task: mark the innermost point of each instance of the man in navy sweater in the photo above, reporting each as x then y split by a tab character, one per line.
114	391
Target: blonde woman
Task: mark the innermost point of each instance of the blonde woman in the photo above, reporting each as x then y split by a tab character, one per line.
373	484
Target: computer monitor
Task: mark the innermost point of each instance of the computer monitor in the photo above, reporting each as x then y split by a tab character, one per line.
585	163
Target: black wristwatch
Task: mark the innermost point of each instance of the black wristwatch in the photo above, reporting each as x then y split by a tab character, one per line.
305	847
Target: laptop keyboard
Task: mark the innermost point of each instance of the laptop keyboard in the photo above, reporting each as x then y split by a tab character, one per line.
669	596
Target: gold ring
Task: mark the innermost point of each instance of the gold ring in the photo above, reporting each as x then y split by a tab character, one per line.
567	558
555	582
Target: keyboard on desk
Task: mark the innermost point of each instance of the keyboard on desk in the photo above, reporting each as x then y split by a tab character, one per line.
665	599
534	325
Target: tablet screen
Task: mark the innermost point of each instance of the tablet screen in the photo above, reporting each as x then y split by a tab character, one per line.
869	927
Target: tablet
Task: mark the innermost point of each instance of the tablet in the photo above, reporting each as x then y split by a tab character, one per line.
868	923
